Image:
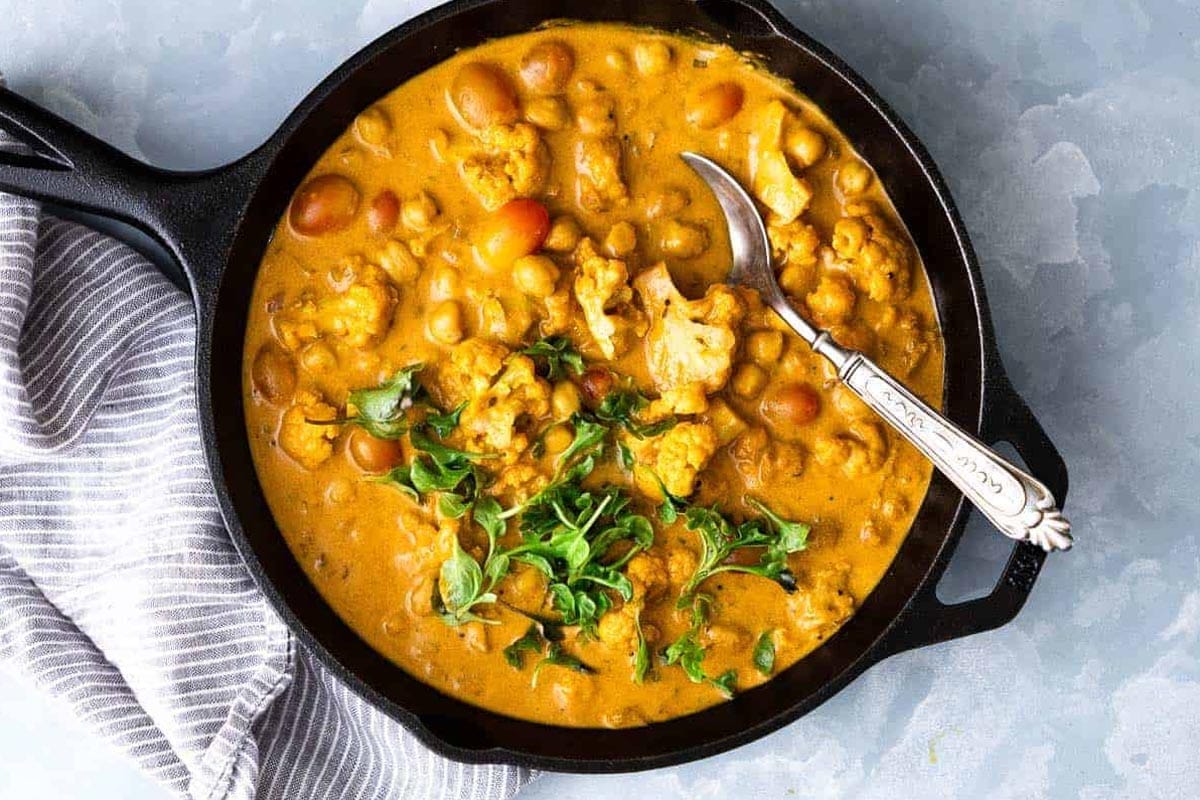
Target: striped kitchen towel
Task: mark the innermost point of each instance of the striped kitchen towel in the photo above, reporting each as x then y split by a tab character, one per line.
120	592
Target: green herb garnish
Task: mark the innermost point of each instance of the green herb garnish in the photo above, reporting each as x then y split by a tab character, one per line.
559	355
556	656
688	653
764	653
621	406
720	538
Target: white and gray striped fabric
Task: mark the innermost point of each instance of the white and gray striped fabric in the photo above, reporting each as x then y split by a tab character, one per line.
120	591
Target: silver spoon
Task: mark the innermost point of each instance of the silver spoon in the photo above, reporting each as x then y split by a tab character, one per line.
1018	504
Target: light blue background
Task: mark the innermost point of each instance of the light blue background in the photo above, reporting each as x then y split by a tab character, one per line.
1070	133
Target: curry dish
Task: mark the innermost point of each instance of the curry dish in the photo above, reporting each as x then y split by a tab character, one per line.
514	426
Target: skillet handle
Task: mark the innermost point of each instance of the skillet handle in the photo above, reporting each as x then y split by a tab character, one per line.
928	620
192	214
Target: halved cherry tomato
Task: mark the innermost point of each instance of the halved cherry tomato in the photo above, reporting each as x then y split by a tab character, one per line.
516	229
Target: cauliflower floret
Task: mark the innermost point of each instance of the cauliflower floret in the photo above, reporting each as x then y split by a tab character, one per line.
601	286
821	605
795	242
511	161
677	458
648	574
472	366
599	186
690	341
687	399
878	260
859	451
490	420
360	314
832	303
309	444
681	565
785	194
618	629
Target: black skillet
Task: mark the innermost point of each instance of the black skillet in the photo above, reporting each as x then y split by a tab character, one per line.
217	224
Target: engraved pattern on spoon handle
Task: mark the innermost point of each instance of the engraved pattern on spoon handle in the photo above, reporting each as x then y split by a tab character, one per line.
1017	503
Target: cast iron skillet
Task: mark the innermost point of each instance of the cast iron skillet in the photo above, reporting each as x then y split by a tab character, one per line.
217	224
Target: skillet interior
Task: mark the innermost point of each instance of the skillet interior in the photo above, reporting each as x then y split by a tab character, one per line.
466	732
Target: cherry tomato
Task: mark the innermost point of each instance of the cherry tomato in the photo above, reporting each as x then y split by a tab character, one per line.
325	204
516	229
484	96
373	455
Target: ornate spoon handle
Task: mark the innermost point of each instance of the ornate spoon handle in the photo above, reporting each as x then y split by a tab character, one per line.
1017	503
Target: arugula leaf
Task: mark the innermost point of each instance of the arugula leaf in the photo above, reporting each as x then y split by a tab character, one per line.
625	456
793	536
557	657
588	436
641	659
381	411
559	355
719	538
453	505
688	653
423	441
433	475
764	653
531	642
620	406
459	588
399	478
672	505
444	422
725	683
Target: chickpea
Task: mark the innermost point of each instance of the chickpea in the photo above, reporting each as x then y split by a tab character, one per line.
516	229
445	322
419	212
564	235
849	235
853	178
683	240
549	113
652	58
564	400
765	347
444	283
805	146
665	202
373	455
373	126
317	358
547	67
793	279
790	405
715	105
384	211
596	383
833	300
439	145
621	239
749	380
483	96
273	374
325	204
596	118
535	275
616	60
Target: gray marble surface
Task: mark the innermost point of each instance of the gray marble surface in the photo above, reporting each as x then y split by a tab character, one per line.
1070	133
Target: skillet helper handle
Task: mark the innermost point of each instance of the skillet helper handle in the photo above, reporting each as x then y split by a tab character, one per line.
928	620
192	214
63	164
1018	504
